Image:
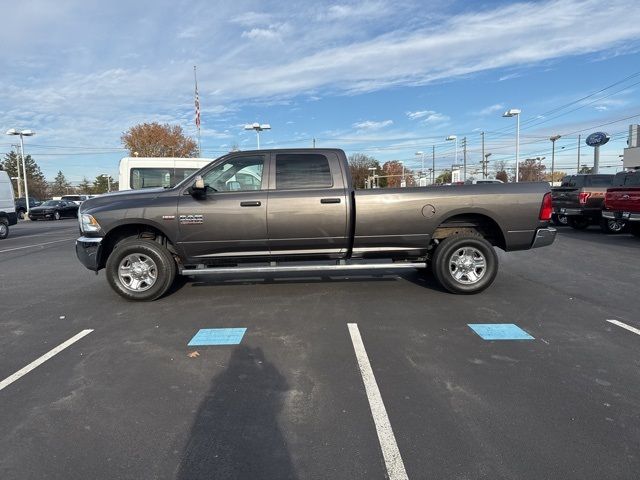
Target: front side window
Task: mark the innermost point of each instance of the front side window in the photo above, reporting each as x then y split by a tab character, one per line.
236	174
294	171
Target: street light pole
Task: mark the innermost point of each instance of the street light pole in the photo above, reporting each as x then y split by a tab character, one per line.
553	154
108	177
19	177
433	166
450	138
514	112
23	133
258	128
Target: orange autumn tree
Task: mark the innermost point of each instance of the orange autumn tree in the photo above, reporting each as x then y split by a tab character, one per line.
156	140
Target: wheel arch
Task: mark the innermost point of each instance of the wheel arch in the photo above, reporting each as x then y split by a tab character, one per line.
472	222
140	230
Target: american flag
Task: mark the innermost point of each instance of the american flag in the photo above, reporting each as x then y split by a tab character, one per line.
197	108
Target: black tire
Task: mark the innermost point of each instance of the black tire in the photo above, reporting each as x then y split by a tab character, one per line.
559	220
4	228
452	279
165	269
21	214
635	229
56	215
612	226
578	223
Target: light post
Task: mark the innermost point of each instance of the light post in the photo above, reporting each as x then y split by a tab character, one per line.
372	174
23	133
258	128
514	112
553	154
403	182
108	182
451	138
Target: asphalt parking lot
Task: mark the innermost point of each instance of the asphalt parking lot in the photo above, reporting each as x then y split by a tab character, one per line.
131	400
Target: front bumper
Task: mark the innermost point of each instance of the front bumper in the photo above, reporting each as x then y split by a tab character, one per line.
40	215
88	250
544	237
618	215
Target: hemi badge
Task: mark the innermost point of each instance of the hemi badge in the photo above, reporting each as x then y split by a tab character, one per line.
168	217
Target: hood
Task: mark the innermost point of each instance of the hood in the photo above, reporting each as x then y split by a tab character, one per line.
123	196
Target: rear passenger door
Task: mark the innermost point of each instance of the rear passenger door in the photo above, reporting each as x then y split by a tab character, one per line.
307	205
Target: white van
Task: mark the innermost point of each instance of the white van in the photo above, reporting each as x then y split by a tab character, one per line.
8	214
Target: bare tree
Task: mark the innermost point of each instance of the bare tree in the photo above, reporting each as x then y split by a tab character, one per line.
359	165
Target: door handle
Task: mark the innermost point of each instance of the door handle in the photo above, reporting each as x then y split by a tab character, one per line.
330	200
255	203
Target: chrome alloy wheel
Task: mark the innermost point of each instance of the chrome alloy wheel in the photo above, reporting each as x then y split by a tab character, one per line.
137	272
615	226
3	229
467	265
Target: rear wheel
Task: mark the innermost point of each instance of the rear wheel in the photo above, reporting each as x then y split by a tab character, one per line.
140	270
4	228
56	215
465	264
559	220
612	226
579	223
21	214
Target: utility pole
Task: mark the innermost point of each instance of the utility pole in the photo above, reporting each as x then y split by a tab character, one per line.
553	155
433	166
484	175
314	142
578	167
464	155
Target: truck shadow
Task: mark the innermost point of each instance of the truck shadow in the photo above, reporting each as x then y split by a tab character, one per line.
235	434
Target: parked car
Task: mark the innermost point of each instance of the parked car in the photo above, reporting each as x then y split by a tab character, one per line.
77	199
302	207
8	214
622	200
54	210
482	181
580	198
21	205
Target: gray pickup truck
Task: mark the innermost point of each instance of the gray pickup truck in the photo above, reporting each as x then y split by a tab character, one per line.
269	211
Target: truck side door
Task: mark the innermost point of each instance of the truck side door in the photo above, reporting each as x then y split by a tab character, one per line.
307	206
232	220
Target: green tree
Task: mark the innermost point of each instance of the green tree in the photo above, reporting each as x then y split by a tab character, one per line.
85	186
444	177
359	165
36	182
101	184
155	140
60	185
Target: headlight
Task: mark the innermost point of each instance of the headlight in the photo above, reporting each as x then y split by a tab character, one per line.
88	223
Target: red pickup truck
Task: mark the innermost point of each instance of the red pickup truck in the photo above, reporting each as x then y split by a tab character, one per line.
622	200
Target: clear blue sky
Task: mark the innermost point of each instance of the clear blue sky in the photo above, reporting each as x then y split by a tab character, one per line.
380	77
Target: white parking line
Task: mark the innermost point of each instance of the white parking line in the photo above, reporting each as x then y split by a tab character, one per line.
36	363
390	452
37	245
625	326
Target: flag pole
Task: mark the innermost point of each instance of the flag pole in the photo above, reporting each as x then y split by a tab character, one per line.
197	101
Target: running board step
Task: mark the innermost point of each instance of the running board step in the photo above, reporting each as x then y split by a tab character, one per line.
302	268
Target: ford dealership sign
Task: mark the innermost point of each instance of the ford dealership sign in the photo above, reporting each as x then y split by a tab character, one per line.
596	139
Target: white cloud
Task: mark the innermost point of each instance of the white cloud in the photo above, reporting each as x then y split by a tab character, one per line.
372	125
490	109
428	116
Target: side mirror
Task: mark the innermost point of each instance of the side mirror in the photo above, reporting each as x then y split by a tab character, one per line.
198	190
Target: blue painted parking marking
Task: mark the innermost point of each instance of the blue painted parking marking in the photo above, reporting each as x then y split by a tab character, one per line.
217	336
499	331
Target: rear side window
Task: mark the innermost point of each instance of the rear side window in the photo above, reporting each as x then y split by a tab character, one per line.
600	180
631	179
573	181
302	171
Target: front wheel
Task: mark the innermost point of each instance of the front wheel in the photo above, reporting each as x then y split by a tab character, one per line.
465	264
21	214
141	270
612	226
56	215
4	228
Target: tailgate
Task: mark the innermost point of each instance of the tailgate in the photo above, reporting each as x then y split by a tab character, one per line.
623	199
565	197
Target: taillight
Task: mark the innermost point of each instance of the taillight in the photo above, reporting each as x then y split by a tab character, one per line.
607	198
547	207
583	197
